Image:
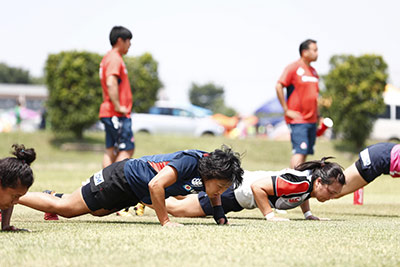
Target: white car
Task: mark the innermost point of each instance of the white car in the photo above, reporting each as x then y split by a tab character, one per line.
387	126
167	118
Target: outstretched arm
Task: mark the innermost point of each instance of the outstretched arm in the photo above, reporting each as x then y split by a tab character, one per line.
5	221
166	177
261	189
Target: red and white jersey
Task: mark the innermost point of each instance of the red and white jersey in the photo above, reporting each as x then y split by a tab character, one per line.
291	188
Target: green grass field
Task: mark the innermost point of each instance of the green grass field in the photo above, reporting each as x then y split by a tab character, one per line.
366	235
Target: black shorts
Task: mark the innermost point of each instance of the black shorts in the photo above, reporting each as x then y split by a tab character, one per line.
374	161
229	202
108	189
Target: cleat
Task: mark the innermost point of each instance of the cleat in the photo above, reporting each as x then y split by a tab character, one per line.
139	209
50	216
123	213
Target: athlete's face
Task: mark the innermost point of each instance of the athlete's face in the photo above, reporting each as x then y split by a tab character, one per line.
215	187
324	192
10	196
126	45
312	52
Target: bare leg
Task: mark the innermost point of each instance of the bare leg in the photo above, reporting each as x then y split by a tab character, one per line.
297	159
69	207
188	206
125	154
109	157
354	181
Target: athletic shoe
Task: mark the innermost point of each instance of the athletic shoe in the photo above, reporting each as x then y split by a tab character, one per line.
124	213
50	216
139	209
47	215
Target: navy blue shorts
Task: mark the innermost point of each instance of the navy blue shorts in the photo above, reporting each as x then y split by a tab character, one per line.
303	137
229	202
374	161
108	189
119	133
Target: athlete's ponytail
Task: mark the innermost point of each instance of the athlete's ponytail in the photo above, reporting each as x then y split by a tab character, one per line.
16	171
327	171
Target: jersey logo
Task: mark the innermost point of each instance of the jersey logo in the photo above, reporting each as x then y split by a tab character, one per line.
285	187
196	182
364	155
294	199
306	78
300	71
158	166
187	187
98	178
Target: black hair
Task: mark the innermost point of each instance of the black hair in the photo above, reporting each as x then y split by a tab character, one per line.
328	171
119	32
15	171
222	164
306	45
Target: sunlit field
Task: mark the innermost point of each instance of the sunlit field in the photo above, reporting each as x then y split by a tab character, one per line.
366	235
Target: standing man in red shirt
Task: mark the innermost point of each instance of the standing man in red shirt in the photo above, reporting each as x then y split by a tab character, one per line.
300	105
117	99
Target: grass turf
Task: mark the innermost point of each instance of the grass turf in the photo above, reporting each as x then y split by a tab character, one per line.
364	235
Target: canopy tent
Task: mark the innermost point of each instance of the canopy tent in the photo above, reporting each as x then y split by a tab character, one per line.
272	106
271	112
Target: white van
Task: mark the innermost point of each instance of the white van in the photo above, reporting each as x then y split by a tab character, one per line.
387	126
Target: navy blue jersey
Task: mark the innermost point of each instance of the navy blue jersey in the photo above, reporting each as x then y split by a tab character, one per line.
139	172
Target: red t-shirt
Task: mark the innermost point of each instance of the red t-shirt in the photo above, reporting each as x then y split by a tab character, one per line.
112	64
301	82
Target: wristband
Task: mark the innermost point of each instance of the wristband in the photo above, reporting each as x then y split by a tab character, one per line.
219	213
270	215
307	214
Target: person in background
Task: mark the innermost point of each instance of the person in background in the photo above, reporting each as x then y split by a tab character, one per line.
117	99
301	106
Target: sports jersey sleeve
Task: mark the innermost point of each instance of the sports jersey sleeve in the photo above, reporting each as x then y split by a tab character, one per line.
113	66
286	77
185	165
289	184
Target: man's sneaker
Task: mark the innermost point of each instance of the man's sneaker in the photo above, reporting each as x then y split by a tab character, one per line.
124	213
139	209
47	215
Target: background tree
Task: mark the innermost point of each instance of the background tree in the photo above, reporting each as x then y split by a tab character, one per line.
13	75
75	93
143	77
353	95
210	96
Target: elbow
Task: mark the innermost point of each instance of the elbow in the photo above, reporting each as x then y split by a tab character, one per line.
254	187
153	186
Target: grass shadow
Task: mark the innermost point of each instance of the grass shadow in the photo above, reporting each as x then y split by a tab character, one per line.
68	142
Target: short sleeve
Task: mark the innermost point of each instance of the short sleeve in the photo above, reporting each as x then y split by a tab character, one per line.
113	67
185	165
286	77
